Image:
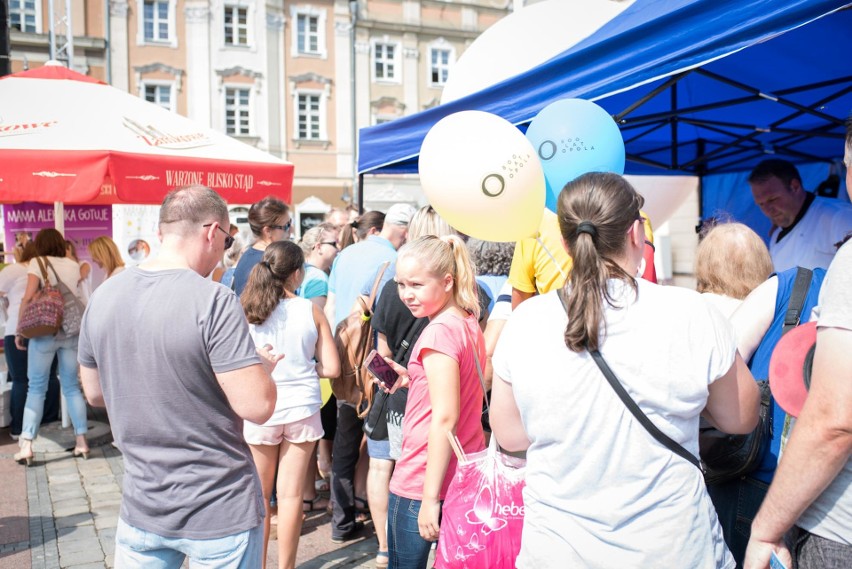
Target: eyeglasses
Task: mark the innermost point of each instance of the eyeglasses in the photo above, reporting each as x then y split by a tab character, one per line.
228	239
285	228
332	243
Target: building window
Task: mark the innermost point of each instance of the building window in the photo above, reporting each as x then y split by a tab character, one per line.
23	15
238	111
155	18
307	33
236	25
159	94
439	65
308	116
384	61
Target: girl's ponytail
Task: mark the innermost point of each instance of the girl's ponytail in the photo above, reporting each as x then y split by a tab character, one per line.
464	275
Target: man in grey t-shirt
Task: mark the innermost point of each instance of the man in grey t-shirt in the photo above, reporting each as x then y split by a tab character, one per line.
813	484
169	354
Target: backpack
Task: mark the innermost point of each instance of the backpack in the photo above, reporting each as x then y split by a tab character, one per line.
353	339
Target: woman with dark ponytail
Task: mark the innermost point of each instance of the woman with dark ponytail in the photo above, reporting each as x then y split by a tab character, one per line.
297	328
601	491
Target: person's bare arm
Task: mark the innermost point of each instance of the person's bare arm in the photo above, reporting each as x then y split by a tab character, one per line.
32	287
91	381
329	308
328	361
518	296
754	317
320	301
819	447
506	424
442	375
734	401
491	335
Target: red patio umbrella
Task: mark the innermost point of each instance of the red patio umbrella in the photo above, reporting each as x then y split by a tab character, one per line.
66	137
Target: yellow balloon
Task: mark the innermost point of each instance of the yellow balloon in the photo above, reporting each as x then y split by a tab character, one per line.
483	176
325	390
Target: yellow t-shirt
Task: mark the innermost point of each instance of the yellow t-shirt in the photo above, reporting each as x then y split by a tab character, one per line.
533	270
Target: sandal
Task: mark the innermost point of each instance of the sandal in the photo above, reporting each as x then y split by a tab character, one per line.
315	505
382	559
362	510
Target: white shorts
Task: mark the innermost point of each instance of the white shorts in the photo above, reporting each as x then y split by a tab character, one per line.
304	430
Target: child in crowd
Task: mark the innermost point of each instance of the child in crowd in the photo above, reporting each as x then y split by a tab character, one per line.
298	328
436	280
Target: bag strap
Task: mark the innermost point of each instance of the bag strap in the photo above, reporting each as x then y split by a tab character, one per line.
631	405
375	290
479	370
59	284
41	266
797	299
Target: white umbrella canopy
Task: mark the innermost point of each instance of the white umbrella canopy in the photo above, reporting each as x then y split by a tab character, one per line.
66	137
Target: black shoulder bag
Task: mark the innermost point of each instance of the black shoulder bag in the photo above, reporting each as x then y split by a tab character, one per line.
729	457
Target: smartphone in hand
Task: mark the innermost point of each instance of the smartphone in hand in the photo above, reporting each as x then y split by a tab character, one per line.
377	365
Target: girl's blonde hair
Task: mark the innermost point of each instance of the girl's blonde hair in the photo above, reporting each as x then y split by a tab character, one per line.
105	252
426	221
731	260
447	255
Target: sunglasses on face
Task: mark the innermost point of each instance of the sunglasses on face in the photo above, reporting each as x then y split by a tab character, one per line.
228	239
285	228
332	243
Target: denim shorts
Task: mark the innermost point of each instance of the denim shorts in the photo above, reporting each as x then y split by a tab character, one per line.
139	549
378	449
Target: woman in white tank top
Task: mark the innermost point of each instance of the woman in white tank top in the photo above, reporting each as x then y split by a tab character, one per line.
297	328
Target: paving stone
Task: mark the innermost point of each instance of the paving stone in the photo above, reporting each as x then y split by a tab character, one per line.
77	532
110	561
99	489
76	520
71	510
106	522
86	566
82	557
68	546
64	477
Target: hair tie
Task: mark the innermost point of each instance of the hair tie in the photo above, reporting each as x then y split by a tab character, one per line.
587	227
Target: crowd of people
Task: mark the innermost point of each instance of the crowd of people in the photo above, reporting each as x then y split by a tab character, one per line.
223	425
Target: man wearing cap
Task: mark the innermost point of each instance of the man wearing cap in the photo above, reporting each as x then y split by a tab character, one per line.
353	273
811	495
805	228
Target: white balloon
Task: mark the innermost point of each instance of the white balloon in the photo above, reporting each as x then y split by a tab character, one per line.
483	176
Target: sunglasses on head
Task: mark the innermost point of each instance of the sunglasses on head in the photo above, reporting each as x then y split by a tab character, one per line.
228	239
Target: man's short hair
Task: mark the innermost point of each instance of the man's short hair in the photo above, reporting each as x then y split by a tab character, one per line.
193	205
775	167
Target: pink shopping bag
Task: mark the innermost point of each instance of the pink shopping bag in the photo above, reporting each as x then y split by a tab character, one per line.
483	513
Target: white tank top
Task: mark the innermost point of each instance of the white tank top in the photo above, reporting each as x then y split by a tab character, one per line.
291	331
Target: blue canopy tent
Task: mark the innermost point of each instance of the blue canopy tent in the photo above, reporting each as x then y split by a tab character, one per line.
697	87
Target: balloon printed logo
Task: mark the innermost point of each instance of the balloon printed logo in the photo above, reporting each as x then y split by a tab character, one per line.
572	137
548	149
473	161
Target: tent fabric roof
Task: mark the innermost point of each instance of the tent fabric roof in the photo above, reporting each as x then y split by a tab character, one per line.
696	86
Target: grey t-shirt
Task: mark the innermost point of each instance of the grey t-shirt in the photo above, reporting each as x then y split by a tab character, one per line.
830	515
157	340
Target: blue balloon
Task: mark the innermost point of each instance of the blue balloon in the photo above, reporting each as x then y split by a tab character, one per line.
572	137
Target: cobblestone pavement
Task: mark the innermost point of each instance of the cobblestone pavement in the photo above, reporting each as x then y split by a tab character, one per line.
62	512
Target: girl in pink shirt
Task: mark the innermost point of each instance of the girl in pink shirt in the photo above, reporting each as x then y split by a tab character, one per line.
436	280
